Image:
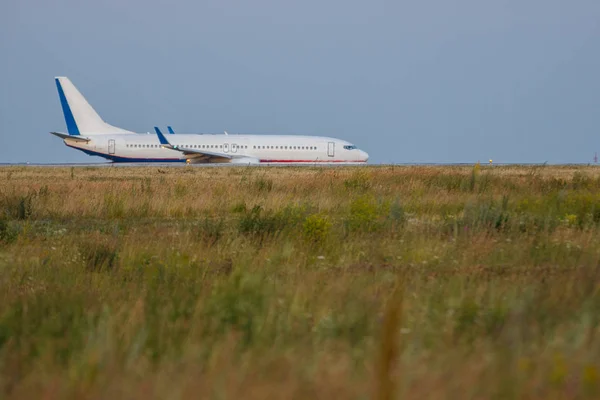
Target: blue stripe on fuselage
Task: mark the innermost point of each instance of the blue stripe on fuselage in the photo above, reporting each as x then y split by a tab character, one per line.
69	119
114	158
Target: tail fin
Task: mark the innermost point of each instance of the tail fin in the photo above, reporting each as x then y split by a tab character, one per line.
80	117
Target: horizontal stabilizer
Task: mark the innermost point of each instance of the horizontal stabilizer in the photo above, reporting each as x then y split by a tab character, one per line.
75	138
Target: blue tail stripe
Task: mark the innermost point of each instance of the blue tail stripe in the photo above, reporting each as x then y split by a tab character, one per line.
69	119
170	130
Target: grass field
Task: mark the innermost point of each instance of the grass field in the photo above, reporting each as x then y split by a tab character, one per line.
331	283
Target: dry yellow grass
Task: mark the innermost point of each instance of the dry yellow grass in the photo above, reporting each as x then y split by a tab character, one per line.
151	282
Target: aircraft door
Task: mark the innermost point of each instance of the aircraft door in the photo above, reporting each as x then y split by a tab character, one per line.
331	149
234	148
111	146
226	147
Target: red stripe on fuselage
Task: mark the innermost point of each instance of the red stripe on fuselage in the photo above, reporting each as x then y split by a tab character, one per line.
311	161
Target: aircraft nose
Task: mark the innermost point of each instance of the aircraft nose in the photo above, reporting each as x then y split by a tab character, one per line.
363	156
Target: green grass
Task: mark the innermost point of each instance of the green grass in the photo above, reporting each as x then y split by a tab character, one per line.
370	282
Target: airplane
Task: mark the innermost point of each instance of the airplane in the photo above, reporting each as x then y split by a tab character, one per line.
87	132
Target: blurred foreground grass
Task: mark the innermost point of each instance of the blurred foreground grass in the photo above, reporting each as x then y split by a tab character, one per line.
367	282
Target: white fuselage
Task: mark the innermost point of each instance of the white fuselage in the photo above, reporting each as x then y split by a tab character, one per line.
253	148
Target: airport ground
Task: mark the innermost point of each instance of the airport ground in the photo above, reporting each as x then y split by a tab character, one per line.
323	283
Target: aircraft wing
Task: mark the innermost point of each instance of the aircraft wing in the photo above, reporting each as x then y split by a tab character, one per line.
75	138
191	153
200	153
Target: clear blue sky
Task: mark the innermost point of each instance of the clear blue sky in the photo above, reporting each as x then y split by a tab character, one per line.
418	81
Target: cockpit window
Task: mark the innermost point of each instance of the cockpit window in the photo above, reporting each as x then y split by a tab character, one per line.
350	147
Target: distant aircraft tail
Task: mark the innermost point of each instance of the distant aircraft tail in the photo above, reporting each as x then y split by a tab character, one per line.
80	117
